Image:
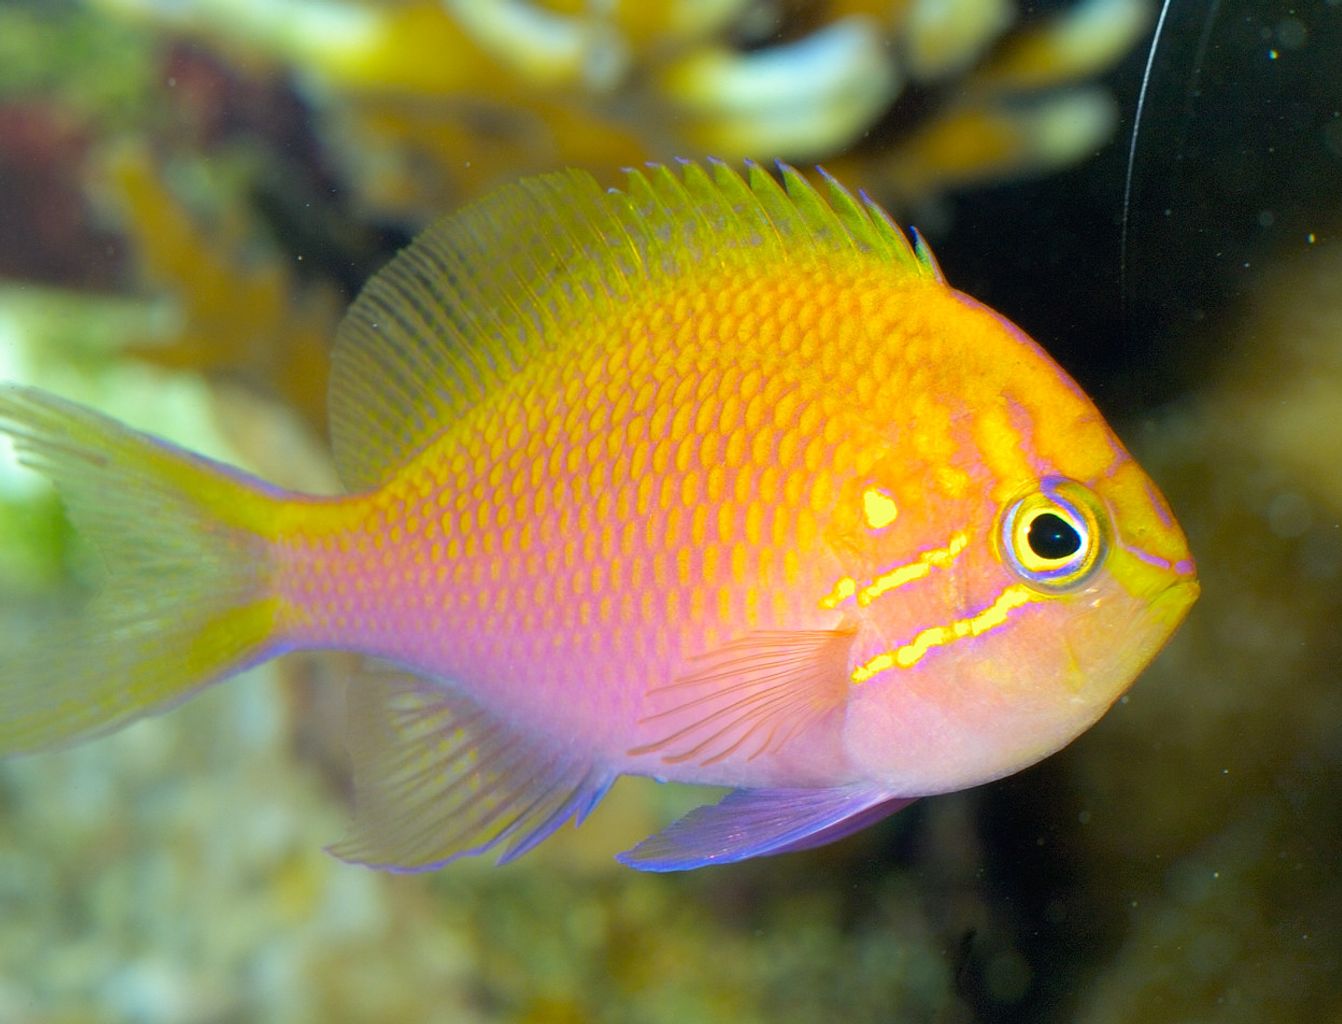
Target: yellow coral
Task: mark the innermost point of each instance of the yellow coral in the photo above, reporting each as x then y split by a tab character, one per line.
233	314
429	102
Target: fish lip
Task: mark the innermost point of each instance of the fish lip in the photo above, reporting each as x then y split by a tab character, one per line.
1180	594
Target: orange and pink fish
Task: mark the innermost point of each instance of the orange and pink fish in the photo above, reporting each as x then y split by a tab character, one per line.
709	479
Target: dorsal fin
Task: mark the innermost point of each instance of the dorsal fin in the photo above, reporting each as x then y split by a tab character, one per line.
484	290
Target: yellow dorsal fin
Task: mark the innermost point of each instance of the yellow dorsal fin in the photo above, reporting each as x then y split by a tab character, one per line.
483	290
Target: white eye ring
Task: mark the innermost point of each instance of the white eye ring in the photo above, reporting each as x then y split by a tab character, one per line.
1055	537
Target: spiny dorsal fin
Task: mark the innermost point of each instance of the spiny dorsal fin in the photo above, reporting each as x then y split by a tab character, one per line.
484	290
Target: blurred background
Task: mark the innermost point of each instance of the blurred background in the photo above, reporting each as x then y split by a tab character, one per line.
191	191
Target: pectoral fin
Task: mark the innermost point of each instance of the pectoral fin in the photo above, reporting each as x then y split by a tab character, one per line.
755	822
750	697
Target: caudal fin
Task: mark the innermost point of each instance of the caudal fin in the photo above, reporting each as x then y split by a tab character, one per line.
187	597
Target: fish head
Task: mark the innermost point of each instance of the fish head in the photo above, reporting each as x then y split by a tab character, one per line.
996	643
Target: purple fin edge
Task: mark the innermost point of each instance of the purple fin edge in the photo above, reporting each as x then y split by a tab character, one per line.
759	822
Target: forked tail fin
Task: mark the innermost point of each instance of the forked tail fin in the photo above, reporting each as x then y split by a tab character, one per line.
187	597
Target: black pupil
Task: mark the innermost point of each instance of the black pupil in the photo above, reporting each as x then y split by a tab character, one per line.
1053	537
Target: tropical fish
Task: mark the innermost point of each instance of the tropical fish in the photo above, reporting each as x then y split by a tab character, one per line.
709	479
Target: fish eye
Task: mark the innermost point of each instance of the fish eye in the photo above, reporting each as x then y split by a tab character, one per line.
1054	538
1051	537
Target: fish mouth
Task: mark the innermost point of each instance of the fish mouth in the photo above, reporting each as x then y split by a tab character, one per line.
1174	601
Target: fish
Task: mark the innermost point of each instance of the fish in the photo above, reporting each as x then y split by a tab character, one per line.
710	478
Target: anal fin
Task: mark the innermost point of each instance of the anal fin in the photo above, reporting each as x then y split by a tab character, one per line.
438	777
757	822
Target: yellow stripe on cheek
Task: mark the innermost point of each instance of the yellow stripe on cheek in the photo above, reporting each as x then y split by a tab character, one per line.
845	588
912	652
939	558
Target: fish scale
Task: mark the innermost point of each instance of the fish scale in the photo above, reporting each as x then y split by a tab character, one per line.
707	479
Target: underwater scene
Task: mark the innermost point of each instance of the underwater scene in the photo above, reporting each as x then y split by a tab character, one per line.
664	490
